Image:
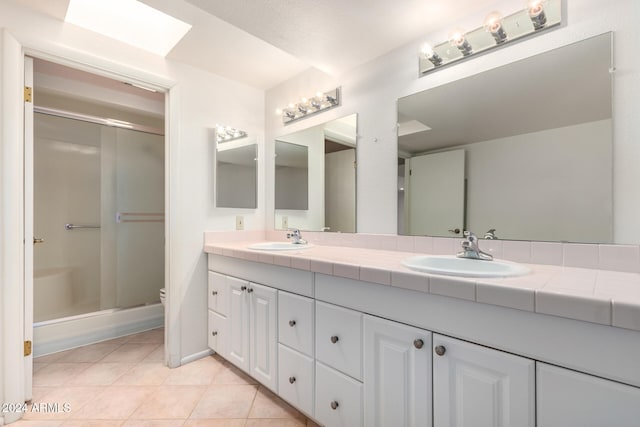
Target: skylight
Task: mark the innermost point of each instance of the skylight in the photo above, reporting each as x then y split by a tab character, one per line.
129	21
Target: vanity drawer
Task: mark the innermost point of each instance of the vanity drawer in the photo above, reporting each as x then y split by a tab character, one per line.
295	378
338	398
295	322
218	293
339	338
217	333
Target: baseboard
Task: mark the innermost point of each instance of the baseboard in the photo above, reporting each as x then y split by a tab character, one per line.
196	356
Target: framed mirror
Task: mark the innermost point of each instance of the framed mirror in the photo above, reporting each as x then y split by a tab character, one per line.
315	177
524	149
236	172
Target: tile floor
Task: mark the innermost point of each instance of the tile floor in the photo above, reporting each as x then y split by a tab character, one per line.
124	383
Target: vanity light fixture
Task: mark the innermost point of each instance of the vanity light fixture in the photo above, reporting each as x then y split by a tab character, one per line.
227	133
322	101
537	16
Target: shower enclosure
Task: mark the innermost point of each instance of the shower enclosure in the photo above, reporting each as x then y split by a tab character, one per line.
99	215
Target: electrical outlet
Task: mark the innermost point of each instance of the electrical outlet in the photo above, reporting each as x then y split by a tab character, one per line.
285	223
239	222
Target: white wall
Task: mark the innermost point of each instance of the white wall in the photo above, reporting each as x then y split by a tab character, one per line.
198	100
372	91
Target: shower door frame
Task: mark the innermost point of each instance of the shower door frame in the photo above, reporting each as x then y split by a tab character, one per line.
17	380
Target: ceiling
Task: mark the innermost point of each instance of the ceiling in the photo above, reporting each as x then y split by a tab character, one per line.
263	43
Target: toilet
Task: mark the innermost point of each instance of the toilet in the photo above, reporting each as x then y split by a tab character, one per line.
162	296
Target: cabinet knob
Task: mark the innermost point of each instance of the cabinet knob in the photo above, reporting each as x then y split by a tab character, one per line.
334	405
292	323
214	333
418	344
214	293
250	290
243	288
440	350
334	339
292	380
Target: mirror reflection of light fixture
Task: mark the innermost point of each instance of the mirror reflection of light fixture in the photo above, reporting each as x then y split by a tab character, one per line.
493	25
497	30
227	133
457	39
322	101
536	13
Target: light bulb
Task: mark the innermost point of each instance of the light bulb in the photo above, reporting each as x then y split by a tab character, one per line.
493	25
279	111
304	100
428	53
536	13
291	105
457	39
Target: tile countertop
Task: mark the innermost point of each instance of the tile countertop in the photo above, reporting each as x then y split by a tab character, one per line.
599	296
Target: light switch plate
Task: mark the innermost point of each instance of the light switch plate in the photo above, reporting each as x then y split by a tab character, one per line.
285	222
239	222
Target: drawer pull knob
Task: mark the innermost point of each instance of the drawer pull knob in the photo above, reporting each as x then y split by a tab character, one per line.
243	288
214	333
440	350
334	405
418	344
292	323
214	293
292	380
334	339
250	290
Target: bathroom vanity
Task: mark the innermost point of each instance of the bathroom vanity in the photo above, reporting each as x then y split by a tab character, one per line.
351	337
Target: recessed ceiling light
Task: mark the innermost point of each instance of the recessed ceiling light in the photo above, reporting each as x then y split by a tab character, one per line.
129	21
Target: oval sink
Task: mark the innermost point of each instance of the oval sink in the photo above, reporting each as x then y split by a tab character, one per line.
278	246
464	267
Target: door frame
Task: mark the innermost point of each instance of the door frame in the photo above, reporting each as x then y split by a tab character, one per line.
14	220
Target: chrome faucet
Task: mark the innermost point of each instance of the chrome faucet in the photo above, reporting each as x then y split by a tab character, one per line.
471	250
296	237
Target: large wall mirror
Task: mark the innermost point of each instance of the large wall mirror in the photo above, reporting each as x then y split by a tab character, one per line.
525	149
315	177
236	173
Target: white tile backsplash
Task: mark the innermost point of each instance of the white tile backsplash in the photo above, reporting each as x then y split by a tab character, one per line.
548	253
619	258
577	255
517	251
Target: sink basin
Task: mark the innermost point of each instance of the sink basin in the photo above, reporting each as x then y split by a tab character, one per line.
278	246
463	267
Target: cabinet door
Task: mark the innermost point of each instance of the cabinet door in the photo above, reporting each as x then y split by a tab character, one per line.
474	386
263	334
238	323
218	335
218	297
397	374
572	399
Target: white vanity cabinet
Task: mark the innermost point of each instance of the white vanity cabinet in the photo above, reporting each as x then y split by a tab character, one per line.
478	386
296	367
571	399
397	374
252	343
218	310
339	401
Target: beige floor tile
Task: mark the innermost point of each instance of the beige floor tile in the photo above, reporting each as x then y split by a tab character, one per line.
37	423
115	402
310	423
57	374
39	393
229	374
101	374
69	401
268	405
200	372
49	358
156	355
132	353
215	423
154	336
89	353
225	401
274	423
92	423
153	423
37	366
145	374
170	402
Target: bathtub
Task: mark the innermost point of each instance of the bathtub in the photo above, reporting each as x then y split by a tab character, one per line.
52	293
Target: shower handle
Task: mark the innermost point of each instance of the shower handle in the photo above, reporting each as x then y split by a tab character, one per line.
37	240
